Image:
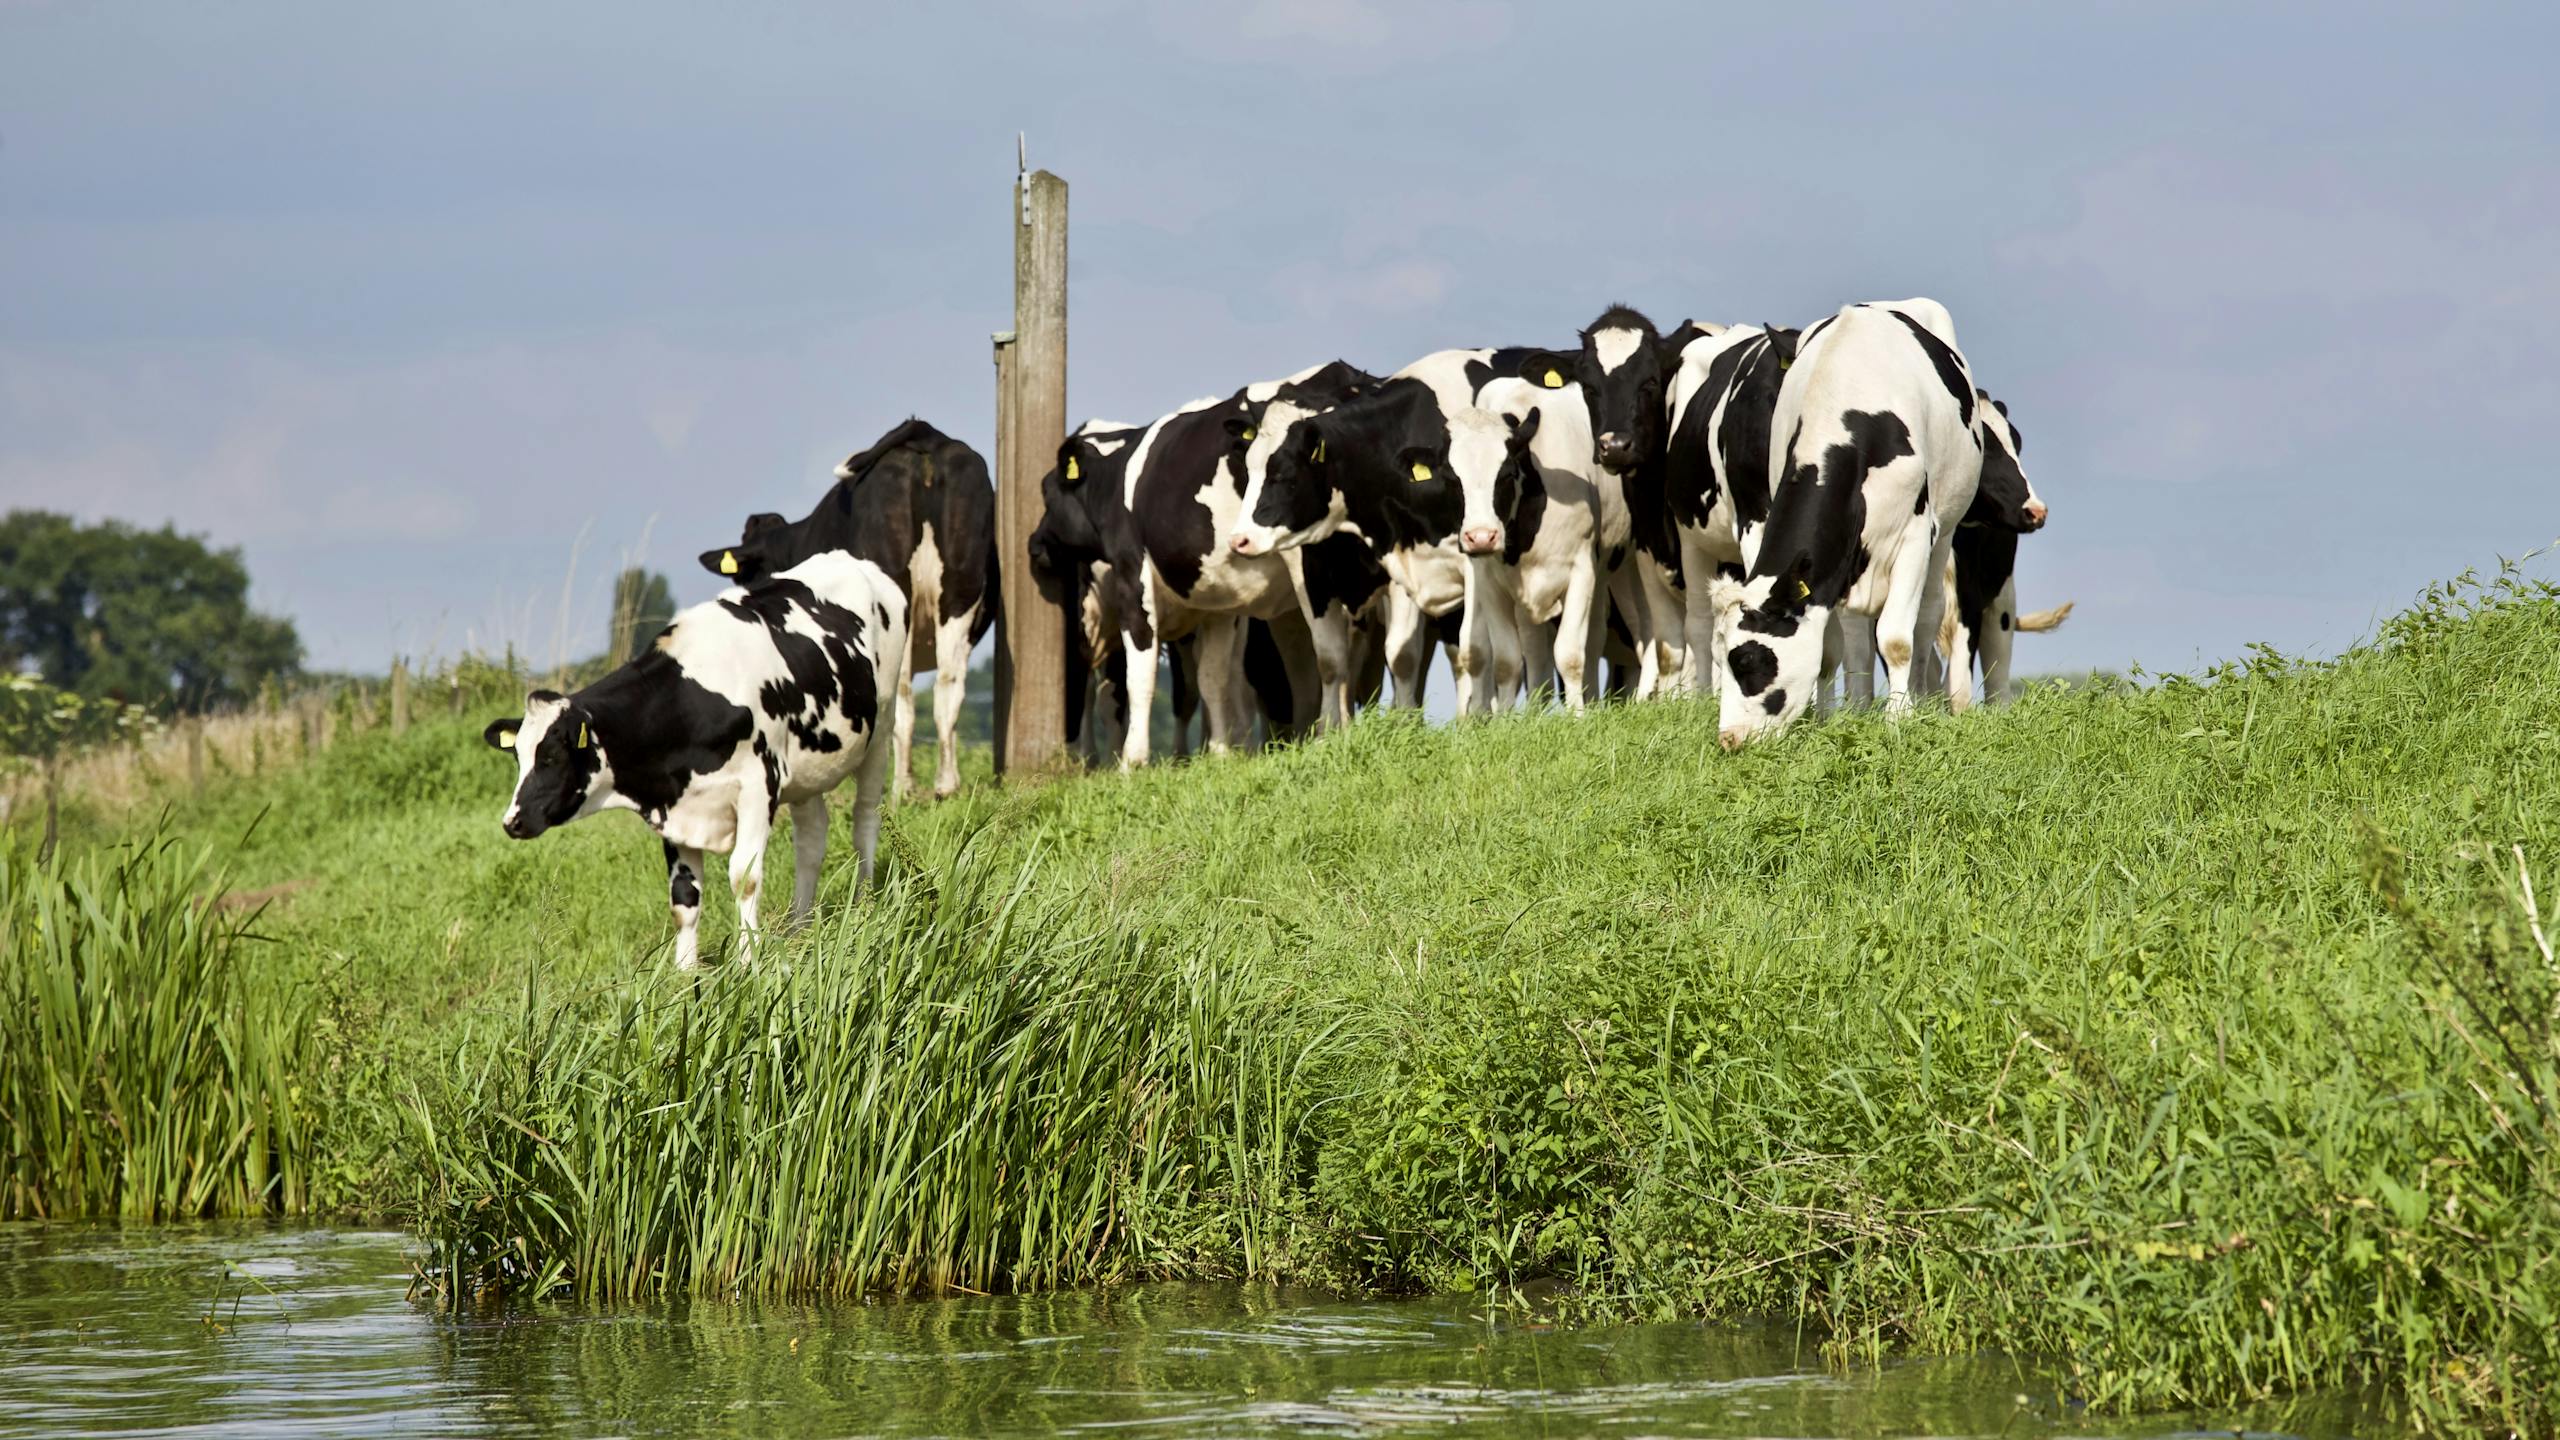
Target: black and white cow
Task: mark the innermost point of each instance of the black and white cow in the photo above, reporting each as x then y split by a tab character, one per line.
919	505
1157	508
1385	464
769	695
1626	368
1881	458
1539	530
1715	475
1982	617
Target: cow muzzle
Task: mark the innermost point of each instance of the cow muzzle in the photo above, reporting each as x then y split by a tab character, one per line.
521	826
1614	450
1732	738
1481	540
2035	513
1245	542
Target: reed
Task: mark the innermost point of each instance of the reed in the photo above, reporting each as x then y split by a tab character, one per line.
147	1068
950	1089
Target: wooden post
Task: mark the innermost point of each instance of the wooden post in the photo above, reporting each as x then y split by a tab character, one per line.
195	754
1031	420
399	697
1002	712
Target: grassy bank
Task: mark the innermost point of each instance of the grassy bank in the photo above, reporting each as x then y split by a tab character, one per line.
2198	1035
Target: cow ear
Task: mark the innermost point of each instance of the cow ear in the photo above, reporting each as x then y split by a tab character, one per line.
1420	464
1240	428
1311	443
1547	370
1524	428
759	523
741	562
501	734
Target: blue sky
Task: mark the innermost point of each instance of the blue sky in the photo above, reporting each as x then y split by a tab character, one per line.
407	300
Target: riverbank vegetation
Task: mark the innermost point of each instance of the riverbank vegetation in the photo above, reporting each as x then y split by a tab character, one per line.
2200	1035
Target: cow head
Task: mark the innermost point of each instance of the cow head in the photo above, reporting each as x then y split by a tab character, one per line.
561	772
2006	497
1289	495
1625	369
1067	535
1773	660
1505	494
766	547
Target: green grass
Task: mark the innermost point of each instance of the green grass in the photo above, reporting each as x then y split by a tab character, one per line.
2197	1035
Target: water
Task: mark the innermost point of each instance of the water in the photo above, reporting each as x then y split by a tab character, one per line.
272	1331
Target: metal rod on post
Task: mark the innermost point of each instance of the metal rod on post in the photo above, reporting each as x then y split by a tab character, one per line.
1031	421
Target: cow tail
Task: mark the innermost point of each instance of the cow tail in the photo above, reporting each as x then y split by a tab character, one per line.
2038	621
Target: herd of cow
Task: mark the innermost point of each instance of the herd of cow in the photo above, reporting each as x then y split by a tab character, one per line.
1739	508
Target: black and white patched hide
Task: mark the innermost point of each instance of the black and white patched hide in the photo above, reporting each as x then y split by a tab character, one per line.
1875	458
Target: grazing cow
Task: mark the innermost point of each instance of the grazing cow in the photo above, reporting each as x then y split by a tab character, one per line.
1715	475
769	695
1386	464
917	504
1626	368
1982	616
1882	455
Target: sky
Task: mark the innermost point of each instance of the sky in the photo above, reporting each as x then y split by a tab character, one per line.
440	313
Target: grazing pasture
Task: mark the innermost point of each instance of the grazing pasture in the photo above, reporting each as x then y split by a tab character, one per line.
2198	1034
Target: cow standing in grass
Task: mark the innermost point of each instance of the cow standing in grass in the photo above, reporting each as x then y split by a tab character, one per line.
769	695
917	504
1881	457
1626	369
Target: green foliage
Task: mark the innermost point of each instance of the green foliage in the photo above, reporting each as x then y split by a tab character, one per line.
39	722
945	1089
148	1068
150	617
2194	1035
642	606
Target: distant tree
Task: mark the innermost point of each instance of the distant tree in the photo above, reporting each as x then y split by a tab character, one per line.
642	606
147	617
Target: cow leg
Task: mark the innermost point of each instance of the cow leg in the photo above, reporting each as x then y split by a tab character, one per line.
1857	659
1999	633
1698	618
1506	651
1219	639
906	725
1573	648
1930	674
1911	584
746	862
868	782
1663	609
1408	648
950	688
1331	634
1142	702
808	851
684	899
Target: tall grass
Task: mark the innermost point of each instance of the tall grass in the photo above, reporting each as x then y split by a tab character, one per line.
949	1090
146	1069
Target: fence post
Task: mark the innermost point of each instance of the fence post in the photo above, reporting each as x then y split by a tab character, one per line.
1031	420
399	697
195	754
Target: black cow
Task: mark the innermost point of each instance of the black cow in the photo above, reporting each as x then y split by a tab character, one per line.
1982	587
767	696
919	505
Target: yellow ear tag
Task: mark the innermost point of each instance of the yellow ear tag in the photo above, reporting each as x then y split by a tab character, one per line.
728	562
1072	472
1319	452
583	740
1248	432
1553	381
1803	590
506	739
1421	472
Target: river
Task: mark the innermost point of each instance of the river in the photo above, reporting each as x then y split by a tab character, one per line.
261	1330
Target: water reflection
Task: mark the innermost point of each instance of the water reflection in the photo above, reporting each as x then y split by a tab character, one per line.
274	1331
